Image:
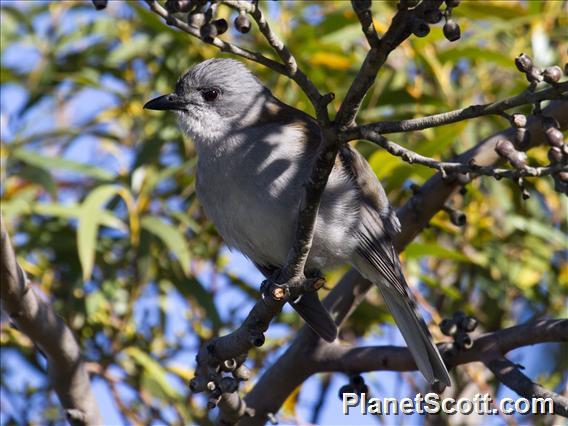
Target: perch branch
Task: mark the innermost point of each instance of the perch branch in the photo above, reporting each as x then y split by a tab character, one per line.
489	348
36	318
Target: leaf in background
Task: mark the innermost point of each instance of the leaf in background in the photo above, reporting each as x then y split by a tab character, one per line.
332	61
534	227
49	163
41	177
156	375
477	54
133	49
417	250
91	216
173	239
73	211
191	288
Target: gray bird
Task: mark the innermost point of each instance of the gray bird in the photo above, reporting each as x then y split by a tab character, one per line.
255	153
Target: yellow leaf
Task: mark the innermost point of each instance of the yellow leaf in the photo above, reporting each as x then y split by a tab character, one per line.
527	278
290	403
331	60
185	373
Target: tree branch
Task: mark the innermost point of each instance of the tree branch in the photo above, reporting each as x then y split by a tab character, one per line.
489	348
511	376
35	318
473	111
346	359
399	30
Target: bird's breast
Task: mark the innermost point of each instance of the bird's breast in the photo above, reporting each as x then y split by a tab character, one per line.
252	188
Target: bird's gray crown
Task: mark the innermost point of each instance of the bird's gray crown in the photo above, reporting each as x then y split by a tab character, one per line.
228	75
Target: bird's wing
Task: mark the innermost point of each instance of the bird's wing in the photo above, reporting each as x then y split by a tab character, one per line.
377	260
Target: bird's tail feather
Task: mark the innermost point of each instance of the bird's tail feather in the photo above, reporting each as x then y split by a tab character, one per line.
417	336
316	316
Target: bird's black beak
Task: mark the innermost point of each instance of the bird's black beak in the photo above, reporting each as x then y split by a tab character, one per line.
167	102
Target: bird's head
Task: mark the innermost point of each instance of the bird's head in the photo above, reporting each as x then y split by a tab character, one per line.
213	98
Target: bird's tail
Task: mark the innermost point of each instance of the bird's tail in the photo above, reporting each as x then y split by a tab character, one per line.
417	336
316	316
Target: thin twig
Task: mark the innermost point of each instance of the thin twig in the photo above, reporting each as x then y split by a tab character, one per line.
446	168
473	111
365	16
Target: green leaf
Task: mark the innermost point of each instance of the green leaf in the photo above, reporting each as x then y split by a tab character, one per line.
174	240
476	54
138	47
156	374
416	250
191	288
41	177
90	217
49	163
539	229
72	211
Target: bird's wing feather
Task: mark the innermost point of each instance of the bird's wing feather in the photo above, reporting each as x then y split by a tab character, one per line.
377	260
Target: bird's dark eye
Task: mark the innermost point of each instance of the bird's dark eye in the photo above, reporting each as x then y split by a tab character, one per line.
210	95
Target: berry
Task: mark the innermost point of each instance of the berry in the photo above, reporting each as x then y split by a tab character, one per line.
451	30
176	6
345	389
534	75
555	155
554	136
552	74
221	24
448	327
463	341
523	62
208	32
458	218
100	4
242	24
469	324
522	139
420	27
